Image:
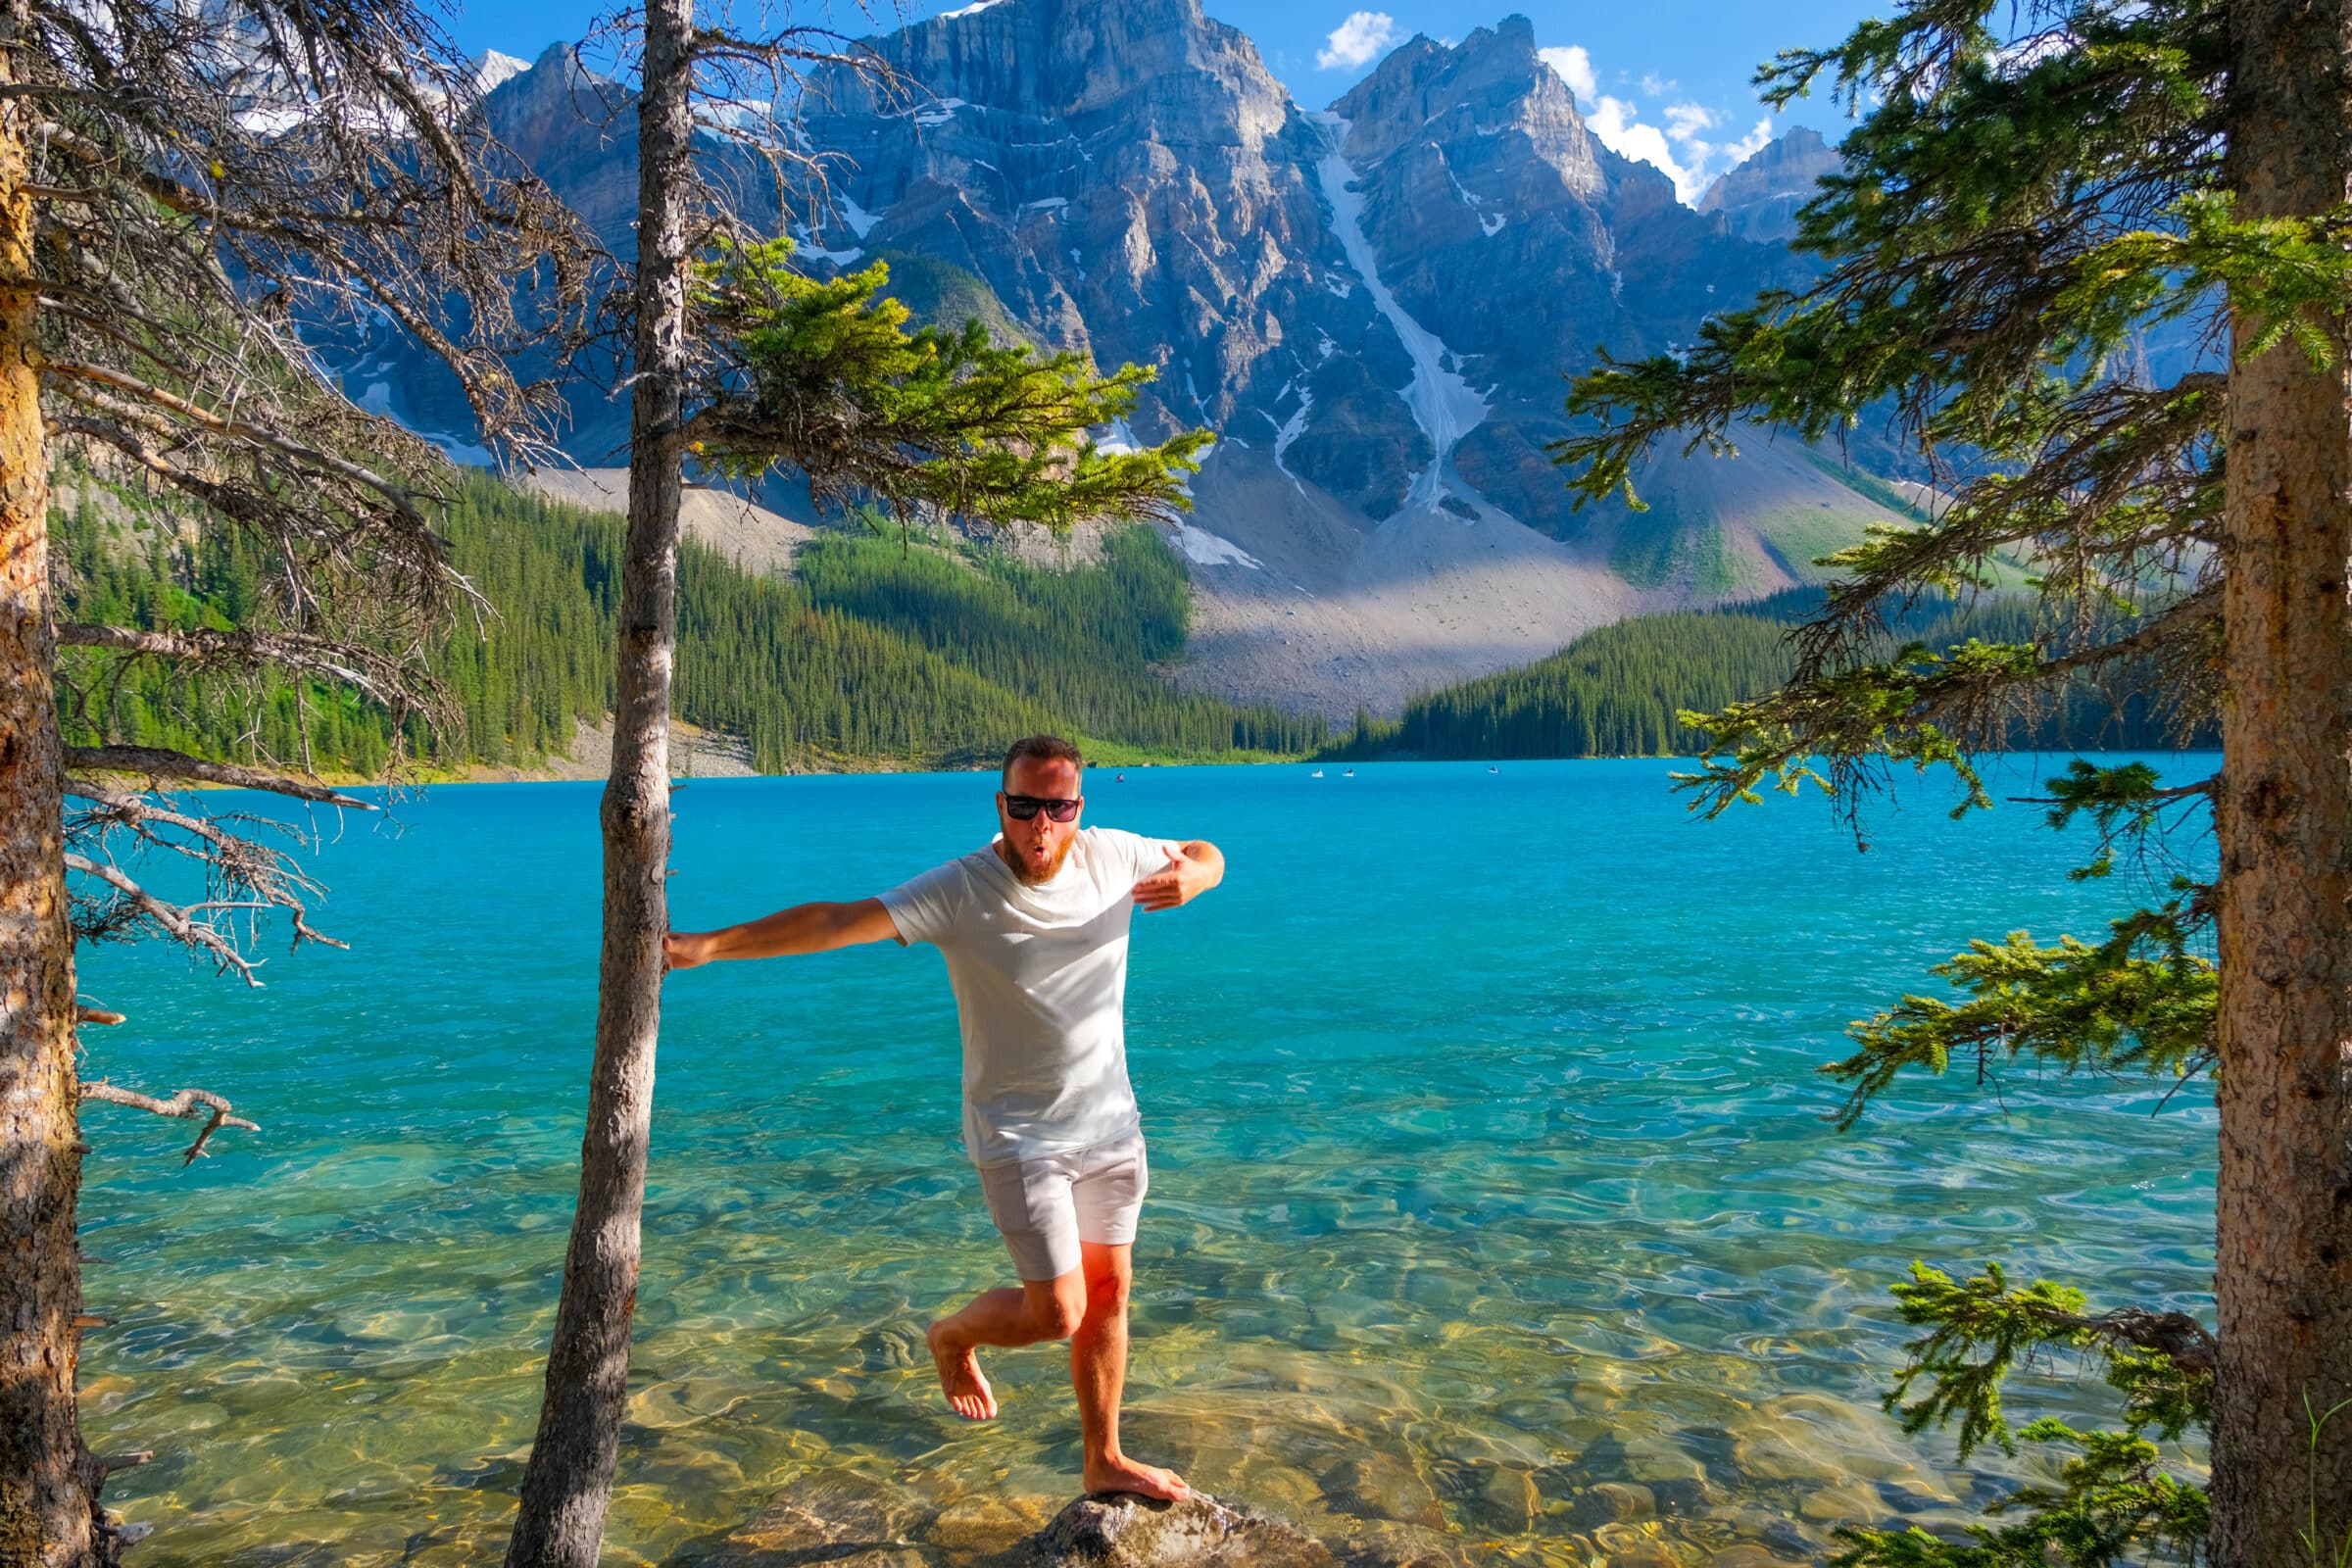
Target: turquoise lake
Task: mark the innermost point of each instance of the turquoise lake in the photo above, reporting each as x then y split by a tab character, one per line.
1494	1202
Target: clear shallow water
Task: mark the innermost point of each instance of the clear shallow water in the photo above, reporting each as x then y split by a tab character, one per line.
1492	1194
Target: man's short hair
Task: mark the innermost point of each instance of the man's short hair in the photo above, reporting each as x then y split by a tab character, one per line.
1044	748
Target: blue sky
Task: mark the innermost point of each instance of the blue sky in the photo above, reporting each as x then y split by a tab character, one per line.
1662	80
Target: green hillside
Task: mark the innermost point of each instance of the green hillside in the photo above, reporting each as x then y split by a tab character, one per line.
881	655
1617	691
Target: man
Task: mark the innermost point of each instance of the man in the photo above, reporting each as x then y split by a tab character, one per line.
1034	929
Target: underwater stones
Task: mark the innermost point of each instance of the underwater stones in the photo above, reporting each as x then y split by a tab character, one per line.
1117	1530
846	1519
1744	1556
987	1523
1643	1554
1611	1502
1382	1486
1846	1505
1812	1439
1385	1544
1493	1496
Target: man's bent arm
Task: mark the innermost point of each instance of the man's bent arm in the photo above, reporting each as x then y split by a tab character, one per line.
1193	869
803	928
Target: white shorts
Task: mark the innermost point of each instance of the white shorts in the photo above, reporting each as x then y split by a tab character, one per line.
1045	1207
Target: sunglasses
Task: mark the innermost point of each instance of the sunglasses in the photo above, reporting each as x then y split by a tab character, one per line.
1023	808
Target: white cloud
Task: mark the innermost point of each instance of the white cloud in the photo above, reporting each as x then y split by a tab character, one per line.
1684	122
1615	122
1679	149
1576	70
1748	146
1356	40
1654	85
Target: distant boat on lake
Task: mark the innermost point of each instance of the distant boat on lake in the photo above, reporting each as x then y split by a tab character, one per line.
1317	773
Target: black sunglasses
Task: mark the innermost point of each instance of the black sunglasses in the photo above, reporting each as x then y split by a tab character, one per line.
1022	808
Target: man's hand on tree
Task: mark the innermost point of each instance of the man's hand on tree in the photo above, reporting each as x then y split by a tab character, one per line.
685	950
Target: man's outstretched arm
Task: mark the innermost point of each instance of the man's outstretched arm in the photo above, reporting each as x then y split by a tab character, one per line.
1193	870
803	928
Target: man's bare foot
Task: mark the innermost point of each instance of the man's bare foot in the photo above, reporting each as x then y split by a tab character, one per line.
1119	1473
969	1393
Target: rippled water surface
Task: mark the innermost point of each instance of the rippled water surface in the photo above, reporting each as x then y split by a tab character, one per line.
1493	1201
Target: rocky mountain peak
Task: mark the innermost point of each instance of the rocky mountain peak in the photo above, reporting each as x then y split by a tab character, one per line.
1371	305
1759	199
1491	85
1073	60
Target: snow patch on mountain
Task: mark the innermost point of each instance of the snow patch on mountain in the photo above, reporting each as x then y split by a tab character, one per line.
1205	549
1444	406
494	69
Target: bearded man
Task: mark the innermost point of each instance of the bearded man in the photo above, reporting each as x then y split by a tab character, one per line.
1034	929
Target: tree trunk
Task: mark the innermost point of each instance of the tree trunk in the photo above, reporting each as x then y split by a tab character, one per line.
48	1481
2283	1200
568	1483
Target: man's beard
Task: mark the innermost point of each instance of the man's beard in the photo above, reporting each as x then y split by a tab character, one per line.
1029	876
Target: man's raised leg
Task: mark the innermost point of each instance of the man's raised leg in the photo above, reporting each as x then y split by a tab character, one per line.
1098	1372
1040	1310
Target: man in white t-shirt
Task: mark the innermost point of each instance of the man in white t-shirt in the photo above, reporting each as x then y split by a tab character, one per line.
1033	927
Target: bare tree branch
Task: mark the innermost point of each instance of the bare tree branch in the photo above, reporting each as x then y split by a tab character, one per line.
351	664
138	905
156	763
191	1105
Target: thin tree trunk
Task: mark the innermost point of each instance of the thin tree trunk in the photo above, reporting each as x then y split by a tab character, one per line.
2283	1200
568	1483
48	1481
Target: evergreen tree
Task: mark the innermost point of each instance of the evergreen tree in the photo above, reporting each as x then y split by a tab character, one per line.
1631	688
746	366
183	189
2030	192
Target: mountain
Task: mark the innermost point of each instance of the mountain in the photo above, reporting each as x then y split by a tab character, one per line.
1759	199
1373	306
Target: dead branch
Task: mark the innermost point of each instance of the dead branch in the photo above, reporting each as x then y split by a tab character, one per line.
2183	1340
239	870
134	906
351	664
156	764
191	1105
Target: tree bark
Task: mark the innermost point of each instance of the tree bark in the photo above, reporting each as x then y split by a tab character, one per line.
48	1479
2284	1199
568	1482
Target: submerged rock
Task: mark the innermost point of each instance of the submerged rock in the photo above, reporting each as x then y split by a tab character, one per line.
1117	1530
839	1518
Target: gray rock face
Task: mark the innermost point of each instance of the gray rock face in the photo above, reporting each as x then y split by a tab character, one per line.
1126	178
1759	199
1373	306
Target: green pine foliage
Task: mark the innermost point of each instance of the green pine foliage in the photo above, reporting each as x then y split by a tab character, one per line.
887	655
1620	691
1084	643
1633	689
2028	192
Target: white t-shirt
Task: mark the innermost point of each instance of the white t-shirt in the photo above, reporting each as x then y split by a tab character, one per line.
1040	976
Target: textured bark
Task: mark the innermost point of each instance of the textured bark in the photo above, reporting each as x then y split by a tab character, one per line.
568	1483
48	1481
2283	1200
